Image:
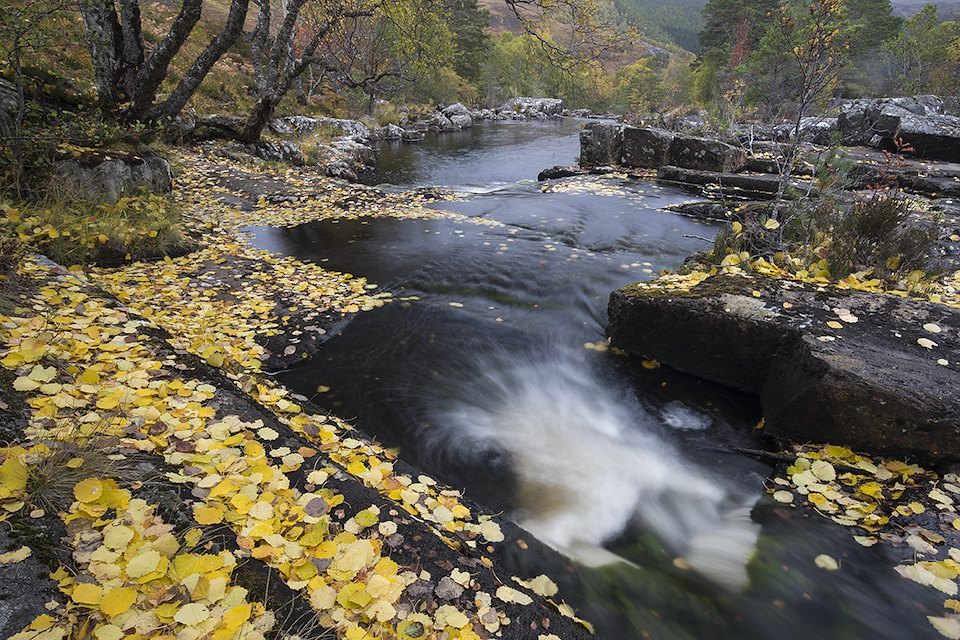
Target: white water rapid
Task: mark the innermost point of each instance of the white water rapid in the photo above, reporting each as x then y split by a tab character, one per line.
588	463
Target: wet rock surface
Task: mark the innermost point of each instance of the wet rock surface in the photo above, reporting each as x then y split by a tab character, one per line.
876	372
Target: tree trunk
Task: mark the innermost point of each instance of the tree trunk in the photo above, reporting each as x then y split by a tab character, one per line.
150	74
132	39
204	62
259	117
301	92
104	39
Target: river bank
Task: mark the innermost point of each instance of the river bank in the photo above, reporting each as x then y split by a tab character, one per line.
148	380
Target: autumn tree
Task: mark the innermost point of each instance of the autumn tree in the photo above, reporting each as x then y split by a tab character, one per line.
126	74
798	63
732	31
924	57
400	44
574	32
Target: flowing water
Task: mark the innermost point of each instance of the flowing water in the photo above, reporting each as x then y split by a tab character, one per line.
490	372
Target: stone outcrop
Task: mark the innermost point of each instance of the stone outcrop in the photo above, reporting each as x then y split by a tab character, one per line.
705	154
533	107
604	143
601	143
279	151
886	381
645	148
108	175
923	122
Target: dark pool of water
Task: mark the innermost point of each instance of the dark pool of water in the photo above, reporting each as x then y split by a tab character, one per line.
478	373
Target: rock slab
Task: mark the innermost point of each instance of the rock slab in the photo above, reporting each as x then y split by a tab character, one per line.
878	384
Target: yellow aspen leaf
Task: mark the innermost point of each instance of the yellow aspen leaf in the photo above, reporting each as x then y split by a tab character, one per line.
13	475
118	601
88	490
237	616
826	562
207	515
192	614
143	564
108	632
117	538
13	557
86	593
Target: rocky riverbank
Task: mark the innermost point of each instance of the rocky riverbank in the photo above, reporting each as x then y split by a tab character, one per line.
880	384
168	483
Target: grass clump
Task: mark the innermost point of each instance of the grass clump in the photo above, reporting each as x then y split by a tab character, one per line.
75	231
51	478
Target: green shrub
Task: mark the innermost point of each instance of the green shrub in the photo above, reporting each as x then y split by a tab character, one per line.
876	232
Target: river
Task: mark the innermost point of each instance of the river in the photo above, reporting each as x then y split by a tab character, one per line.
490	371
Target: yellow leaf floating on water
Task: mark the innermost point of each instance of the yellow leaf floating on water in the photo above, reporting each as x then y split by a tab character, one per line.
833	324
947	626
826	562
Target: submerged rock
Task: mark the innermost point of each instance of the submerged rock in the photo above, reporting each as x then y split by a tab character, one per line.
876	372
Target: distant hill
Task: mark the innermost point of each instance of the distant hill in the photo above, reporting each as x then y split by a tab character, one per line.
948	9
675	22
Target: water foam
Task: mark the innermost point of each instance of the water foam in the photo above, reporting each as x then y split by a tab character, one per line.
588	462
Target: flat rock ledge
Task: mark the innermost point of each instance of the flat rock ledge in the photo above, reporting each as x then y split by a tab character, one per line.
876	372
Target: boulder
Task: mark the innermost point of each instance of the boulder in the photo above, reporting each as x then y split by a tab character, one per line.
645	148
887	381
391	132
554	173
440	122
815	130
600	143
705	154
529	106
411	135
108	175
282	151
756	185
303	125
461	120
455	109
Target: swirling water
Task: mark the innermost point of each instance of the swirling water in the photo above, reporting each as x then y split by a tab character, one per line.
486	372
